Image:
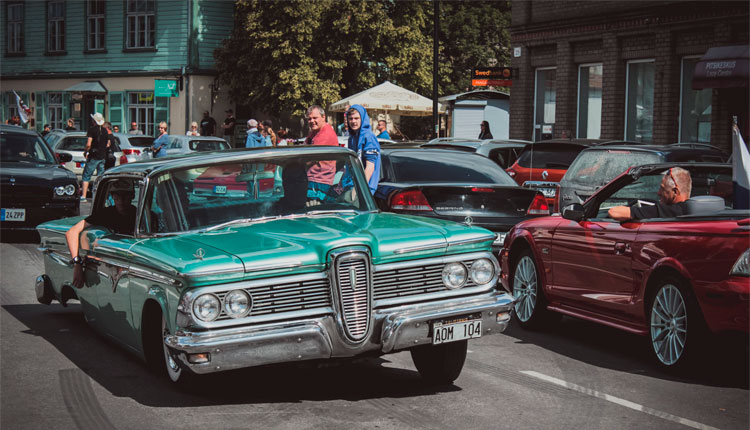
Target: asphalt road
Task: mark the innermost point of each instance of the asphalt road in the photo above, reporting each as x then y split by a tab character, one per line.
56	372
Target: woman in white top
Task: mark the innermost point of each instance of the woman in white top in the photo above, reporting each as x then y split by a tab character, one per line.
193	129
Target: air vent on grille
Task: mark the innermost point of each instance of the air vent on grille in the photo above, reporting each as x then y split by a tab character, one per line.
352	271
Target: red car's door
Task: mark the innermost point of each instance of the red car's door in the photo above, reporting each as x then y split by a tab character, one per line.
592	266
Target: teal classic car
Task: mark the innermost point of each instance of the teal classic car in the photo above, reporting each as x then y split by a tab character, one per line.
229	267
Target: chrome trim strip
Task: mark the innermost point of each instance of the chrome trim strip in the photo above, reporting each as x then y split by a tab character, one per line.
446	294
434	260
470	241
420	248
151	276
198	274
292	265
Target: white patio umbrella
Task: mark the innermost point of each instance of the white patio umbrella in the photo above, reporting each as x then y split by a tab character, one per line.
390	98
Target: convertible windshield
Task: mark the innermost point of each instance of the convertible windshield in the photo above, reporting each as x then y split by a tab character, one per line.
221	195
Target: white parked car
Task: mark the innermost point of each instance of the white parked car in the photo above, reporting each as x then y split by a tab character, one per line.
180	145
134	147
73	143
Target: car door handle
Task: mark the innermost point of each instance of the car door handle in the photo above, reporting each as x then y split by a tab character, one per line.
620	247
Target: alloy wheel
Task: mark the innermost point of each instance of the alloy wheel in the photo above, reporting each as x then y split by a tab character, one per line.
669	324
525	288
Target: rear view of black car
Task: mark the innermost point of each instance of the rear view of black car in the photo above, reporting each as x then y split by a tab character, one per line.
457	186
34	188
596	166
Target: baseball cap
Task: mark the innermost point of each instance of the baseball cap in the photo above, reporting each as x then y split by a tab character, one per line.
121	186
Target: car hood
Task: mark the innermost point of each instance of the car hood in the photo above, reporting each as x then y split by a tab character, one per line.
298	245
33	172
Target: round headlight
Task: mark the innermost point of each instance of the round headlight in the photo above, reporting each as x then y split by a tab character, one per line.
454	275
482	271
207	307
70	189
60	190
237	303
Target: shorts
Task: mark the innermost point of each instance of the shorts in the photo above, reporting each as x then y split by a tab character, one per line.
91	166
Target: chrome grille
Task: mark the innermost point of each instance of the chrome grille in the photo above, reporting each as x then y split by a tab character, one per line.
412	281
287	297
352	274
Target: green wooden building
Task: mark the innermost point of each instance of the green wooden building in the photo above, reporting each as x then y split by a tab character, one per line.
68	59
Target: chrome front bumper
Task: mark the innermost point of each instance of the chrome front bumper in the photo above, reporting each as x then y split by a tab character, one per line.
395	328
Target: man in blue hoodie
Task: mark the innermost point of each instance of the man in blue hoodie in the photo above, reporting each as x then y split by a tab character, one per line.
365	144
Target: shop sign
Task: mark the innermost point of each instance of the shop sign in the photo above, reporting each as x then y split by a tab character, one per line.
166	88
492	76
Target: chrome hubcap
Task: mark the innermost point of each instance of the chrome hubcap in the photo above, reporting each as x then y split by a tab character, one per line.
669	324
525	288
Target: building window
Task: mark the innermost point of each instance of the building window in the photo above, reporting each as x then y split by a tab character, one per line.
639	101
695	107
544	103
55	26
95	24
55	110
14	17
141	110
12	106
141	21
589	101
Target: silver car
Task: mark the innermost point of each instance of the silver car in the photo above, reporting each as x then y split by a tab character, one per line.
180	145
134	147
74	143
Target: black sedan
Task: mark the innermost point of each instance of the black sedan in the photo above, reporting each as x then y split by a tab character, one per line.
455	185
34	188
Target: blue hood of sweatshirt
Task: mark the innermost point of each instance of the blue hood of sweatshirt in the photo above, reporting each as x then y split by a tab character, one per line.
366	145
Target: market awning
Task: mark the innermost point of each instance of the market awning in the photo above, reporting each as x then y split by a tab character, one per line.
723	67
390	98
87	87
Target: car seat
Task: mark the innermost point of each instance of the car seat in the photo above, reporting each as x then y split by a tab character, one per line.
701	205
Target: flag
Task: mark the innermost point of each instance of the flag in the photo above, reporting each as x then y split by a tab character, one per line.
23	110
740	170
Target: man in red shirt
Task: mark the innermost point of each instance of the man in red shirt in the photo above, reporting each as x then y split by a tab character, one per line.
320	175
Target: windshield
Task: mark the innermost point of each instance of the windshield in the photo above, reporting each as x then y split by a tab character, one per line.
543	156
598	167
421	166
24	148
208	145
218	195
77	143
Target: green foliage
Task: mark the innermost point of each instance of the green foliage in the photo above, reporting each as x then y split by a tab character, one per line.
284	56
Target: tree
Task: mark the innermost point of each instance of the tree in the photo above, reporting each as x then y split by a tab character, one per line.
286	56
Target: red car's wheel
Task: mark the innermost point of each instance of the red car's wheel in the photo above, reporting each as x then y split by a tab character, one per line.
675	323
530	304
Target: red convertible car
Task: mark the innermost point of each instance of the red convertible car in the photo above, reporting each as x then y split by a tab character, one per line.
674	280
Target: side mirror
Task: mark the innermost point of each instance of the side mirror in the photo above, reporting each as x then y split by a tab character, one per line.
64	157
574	212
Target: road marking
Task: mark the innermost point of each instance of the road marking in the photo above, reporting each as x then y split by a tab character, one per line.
618	401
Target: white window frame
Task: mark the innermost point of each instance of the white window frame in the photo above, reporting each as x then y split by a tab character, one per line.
14	33
682	79
137	22
55	110
95	26
12	106
578	97
627	90
536	87
55	27
134	113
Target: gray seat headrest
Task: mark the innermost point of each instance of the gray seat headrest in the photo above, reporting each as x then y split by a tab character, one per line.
699	205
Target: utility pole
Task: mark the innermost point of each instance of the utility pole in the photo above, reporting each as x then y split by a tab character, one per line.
436	22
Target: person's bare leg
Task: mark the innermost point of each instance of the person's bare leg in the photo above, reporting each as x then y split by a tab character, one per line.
84	189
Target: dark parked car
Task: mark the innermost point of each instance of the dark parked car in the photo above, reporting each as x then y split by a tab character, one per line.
596	166
34	188
504	152
456	186
670	279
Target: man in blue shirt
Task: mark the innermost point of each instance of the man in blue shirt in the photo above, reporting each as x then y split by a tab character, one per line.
383	129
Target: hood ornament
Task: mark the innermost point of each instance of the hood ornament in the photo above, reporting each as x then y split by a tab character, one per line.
468	220
199	253
545	174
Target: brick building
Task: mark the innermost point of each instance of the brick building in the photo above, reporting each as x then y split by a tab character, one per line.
625	70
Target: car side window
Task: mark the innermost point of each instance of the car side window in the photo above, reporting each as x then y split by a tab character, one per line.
641	192
175	144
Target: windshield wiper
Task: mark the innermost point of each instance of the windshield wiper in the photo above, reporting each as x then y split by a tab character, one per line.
239	221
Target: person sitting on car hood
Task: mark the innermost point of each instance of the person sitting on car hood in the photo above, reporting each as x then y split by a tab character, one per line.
674	190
